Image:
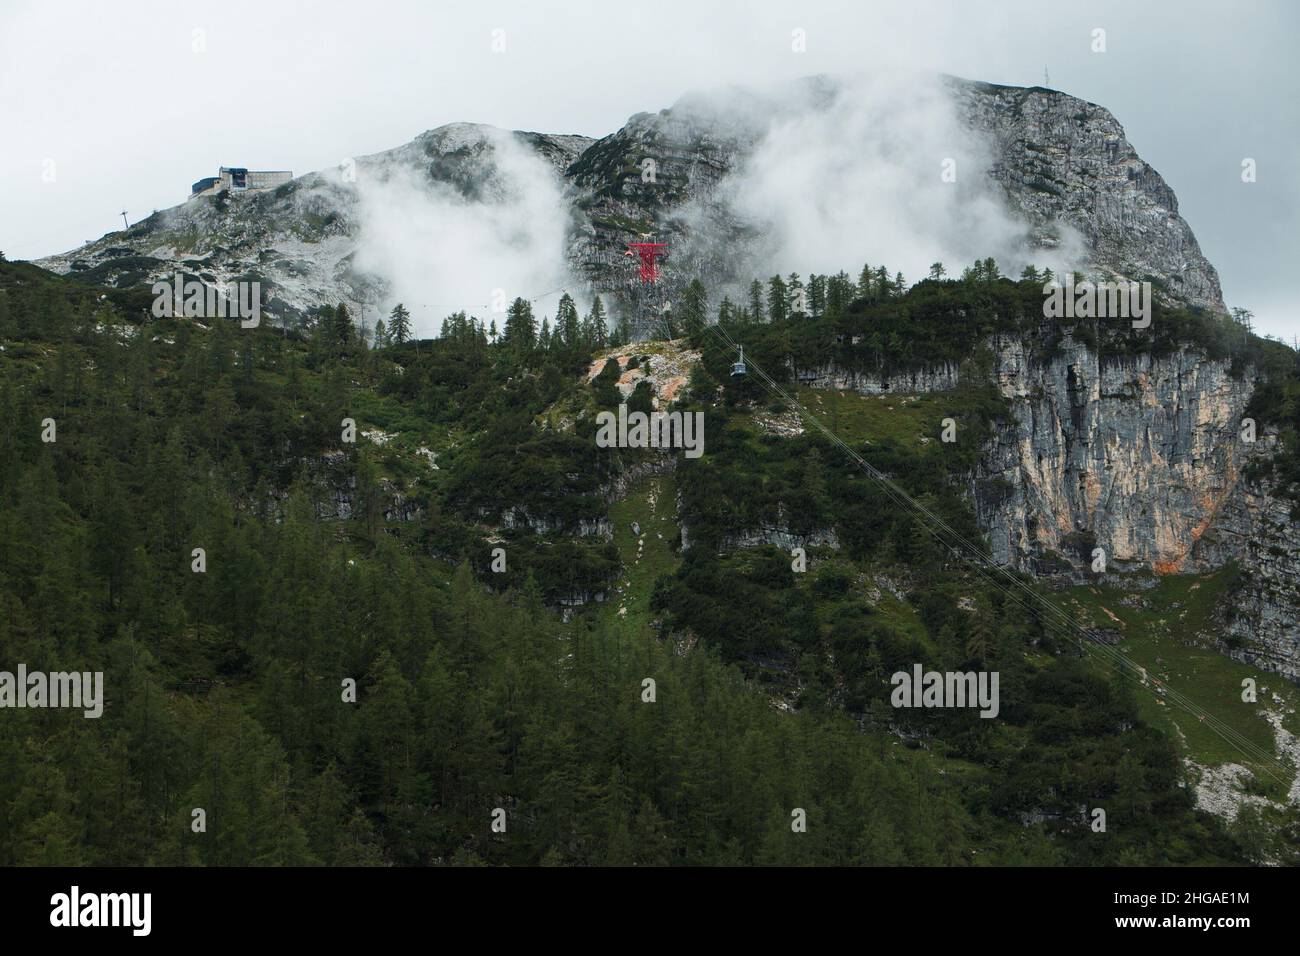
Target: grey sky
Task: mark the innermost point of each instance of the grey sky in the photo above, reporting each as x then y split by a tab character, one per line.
116	96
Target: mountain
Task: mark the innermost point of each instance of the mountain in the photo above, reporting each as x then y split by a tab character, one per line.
1065	182
1168	453
1139	454
497	587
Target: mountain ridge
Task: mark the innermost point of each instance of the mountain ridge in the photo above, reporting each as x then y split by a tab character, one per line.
1059	163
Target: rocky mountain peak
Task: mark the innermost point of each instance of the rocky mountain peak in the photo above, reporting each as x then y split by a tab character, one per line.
1061	166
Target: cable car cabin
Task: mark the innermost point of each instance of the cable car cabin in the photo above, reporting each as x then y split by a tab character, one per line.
738	366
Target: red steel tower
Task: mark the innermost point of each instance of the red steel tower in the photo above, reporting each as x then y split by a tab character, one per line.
649	253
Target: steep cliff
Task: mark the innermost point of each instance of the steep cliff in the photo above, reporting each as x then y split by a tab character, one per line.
1063	160
1141	456
1138	454
1255	528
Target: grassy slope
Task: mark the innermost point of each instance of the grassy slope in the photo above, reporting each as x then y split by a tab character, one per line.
907	419
1169	631
652	503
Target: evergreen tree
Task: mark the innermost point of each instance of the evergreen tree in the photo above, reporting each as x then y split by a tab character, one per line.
695	305
399	324
623	332
343	331
883	288
867	282
817	295
796	297
778	304
521	327
567	324
597	324
726	311
756	301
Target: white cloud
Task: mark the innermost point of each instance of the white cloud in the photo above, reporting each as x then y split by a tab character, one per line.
860	178
441	250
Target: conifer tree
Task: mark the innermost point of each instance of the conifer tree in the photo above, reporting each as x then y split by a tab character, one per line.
867	282
567	325
399	324
597	325
695	305
778	303
796	298
343	330
756	301
521	327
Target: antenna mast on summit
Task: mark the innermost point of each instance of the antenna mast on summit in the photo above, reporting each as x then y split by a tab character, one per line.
1047	80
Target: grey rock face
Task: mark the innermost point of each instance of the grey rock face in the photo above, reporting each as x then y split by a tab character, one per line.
300	240
1141	457
1062	160
518	518
1063	165
1136	456
615	203
1255	529
782	538
938	378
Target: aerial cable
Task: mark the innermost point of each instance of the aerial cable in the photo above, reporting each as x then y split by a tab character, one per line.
1047	611
1117	661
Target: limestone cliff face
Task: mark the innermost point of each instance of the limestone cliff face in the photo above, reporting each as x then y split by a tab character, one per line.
937	378
1255	528
1063	166
1063	160
1137	456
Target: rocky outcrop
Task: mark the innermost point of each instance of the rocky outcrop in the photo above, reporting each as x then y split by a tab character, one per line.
781	538
777	534
1062	165
1263	622
301	240
1142	457
938	378
517	519
1064	161
1137	456
655	464
1256	529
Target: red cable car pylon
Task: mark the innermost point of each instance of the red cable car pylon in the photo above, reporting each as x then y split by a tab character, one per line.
650	252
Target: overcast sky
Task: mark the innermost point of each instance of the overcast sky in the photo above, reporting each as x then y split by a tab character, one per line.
124	105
